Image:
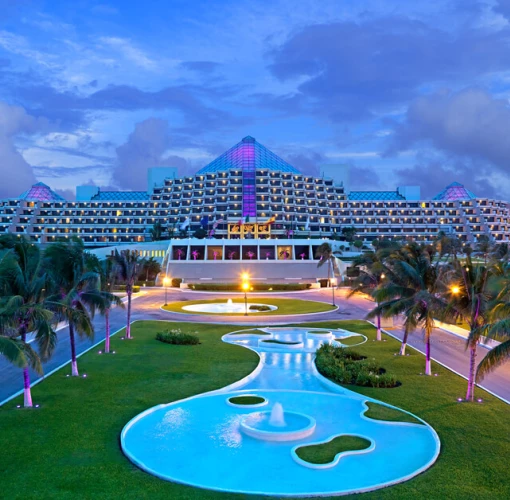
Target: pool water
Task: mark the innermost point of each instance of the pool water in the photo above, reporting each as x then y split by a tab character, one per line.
199	441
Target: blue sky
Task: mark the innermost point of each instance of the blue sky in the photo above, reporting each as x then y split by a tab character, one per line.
405	92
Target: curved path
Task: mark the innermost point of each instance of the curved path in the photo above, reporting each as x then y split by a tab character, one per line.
446	348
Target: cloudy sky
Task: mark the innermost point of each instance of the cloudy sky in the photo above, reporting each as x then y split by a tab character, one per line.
405	92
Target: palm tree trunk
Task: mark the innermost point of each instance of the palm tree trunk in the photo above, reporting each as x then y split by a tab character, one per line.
74	362
107	335
470	395
379	336
27	394
402	351
428	370
128	327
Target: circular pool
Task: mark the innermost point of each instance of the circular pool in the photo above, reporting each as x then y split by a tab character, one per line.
228	308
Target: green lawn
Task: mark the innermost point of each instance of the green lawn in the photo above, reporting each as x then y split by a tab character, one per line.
285	306
69	448
325	453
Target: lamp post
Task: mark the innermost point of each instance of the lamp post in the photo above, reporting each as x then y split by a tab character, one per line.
166	282
245	286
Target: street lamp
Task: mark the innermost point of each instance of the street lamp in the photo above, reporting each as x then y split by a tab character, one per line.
166	282
455	290
246	287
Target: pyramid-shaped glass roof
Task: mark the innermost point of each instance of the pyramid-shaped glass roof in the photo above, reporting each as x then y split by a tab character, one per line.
455	191
248	154
40	192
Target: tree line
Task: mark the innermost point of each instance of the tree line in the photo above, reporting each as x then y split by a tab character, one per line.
64	284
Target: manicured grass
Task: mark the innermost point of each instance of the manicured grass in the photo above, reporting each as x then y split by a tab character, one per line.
247	400
351	340
69	448
285	306
381	412
325	453
251	332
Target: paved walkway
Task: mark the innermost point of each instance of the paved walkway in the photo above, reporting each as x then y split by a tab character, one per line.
446	348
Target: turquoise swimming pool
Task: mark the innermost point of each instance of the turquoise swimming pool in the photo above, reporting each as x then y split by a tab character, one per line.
202	441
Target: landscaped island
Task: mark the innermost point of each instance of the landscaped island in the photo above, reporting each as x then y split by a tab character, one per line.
284	306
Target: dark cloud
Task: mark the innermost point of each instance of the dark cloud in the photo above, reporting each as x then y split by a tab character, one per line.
365	178
204	67
307	162
145	147
93	83
434	174
354	69
470	124
69	109
69	172
68	194
16	174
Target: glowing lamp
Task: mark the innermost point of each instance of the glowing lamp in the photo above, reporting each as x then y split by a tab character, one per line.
455	290
246	286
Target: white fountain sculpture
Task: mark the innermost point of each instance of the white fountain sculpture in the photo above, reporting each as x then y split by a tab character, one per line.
277	418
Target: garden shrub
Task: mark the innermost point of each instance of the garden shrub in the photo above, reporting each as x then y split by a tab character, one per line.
255	307
176	337
176	282
122	288
345	366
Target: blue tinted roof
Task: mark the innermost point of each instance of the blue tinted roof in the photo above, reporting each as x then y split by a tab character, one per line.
454	191
40	192
375	195
121	196
251	154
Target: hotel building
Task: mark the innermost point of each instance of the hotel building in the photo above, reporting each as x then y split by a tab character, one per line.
250	182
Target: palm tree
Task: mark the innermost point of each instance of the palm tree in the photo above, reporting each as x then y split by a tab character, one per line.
413	288
128	264
23	309
483	246
469	299
499	324
372	273
75	294
150	268
106	270
327	256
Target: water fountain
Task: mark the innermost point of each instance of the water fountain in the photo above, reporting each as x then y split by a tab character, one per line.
278	425
228	307
277	419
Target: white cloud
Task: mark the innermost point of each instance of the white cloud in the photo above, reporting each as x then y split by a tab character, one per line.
129	51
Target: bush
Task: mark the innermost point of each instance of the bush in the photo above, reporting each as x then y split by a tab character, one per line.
122	288
235	287
145	283
345	366
176	282
259	308
176	337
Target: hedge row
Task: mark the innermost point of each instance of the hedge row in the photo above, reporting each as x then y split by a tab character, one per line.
351	368
176	337
236	287
122	288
